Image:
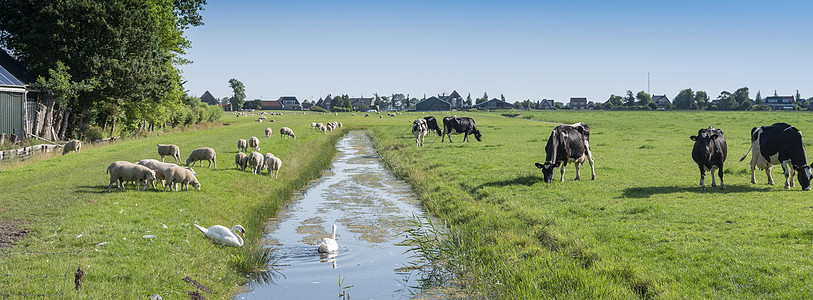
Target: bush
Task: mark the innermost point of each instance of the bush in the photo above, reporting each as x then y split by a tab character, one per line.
317	108
95	133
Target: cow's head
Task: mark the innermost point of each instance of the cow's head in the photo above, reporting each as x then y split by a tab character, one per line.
703	141
477	135
547	170
804	175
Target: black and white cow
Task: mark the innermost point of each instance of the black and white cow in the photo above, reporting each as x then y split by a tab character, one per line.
709	152
567	143
464	125
779	143
419	130
432	124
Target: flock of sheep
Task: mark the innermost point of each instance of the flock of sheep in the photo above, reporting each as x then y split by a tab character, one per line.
255	159
325	128
147	171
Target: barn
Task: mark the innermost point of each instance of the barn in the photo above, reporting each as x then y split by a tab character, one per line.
433	104
18	102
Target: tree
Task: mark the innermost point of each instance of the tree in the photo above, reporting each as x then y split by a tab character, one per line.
727	101
798	96
643	98
701	99
62	91
742	98
481	100
468	100
629	101
238	94
684	99
614	102
758	100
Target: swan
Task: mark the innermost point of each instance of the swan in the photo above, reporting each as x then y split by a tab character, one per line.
219	234
329	245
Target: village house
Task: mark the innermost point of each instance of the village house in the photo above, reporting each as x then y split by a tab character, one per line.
208	98
433	104
578	103
547	104
494	104
780	102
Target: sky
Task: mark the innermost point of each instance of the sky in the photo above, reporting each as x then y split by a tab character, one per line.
521	49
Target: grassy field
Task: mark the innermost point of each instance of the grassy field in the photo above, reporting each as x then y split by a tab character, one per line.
642	229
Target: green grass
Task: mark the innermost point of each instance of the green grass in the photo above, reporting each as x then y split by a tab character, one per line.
642	229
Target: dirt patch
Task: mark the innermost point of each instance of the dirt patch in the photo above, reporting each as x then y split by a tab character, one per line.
10	233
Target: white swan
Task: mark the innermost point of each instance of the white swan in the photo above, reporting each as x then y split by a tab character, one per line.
219	234
329	245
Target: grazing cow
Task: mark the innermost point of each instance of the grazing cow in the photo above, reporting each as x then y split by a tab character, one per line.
419	130
779	143
567	143
709	152
464	125
432	124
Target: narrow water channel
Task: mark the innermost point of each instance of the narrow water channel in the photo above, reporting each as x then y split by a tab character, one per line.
371	207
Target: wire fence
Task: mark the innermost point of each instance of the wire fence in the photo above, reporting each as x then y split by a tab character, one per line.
37	274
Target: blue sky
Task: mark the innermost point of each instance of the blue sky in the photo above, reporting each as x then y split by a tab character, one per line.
522	49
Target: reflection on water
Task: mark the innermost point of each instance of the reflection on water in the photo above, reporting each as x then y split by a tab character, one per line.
372	208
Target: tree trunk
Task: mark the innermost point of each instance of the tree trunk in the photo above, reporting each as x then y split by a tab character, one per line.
49	115
64	128
112	126
58	116
39	118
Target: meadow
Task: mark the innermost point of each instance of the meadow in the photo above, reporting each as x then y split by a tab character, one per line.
642	229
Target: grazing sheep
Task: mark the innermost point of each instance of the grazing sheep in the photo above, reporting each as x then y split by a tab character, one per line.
72	145
340	124
255	161
323	128
126	171
201	154
329	127
353	114
254	143
259	120
313	125
182	176
242	145
240	160
169	150
268	132
285	131
273	164
159	168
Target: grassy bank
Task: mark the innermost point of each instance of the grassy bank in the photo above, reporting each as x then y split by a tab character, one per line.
62	201
642	229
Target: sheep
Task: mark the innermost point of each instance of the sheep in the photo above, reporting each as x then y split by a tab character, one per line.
127	171
323	128
169	150
329	127
240	160
159	168
181	176
273	164
72	145
254	143
268	132
255	161
353	114
340	124
259	120
242	145
313	125
285	131
201	154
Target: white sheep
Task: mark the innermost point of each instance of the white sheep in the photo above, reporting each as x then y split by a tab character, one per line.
285	131
273	164
323	128
126	171
169	150
201	154
182	176
313	125
268	132
242	145
340	124
255	161
240	160
259	120
254	143
72	145
159	168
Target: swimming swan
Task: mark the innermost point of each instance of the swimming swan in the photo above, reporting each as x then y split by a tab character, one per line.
329	244
219	234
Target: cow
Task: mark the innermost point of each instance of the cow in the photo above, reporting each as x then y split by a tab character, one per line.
779	143
419	130
432	124
567	143
455	125
709	152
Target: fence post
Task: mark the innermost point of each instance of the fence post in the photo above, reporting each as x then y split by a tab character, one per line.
2	138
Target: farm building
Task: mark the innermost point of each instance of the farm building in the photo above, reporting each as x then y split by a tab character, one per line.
780	102
208	98
272	104
18	102
547	104
661	101
578	103
494	104
290	103
433	104
454	99
361	103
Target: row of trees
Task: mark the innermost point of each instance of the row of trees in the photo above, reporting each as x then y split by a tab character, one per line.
108	63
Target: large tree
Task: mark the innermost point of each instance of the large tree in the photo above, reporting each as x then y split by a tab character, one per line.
238	96
701	98
684	99
131	49
643	98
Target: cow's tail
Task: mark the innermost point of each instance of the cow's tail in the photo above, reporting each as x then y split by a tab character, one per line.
746	153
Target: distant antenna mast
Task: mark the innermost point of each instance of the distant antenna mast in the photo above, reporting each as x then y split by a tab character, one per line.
647	83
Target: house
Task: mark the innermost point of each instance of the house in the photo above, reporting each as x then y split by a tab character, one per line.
324	102
361	103
547	104
661	101
290	103
494	104
453	99
578	103
780	102
18	102
208	98
272	105
433	104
